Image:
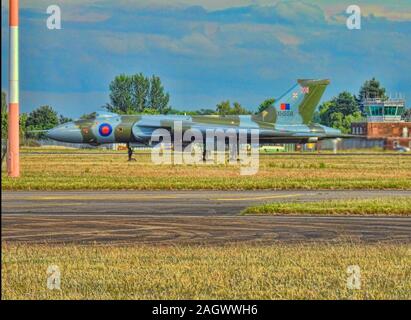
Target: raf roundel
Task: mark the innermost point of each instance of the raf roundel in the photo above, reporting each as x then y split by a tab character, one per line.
105	129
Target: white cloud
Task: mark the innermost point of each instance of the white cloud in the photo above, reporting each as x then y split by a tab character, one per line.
398	10
299	11
130	43
244	53
79	16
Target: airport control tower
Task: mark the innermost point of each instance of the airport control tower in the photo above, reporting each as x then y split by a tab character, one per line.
379	110
384	123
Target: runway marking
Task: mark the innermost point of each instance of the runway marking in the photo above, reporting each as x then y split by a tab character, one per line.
31	205
262	198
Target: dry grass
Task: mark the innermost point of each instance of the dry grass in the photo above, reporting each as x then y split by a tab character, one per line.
380	206
232	272
98	171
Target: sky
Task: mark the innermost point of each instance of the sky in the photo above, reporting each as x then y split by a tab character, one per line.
205	51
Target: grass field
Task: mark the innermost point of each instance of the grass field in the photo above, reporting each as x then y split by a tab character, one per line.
233	272
315	271
100	171
380	206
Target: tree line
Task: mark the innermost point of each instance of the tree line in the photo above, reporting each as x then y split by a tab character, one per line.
132	94
139	94
342	110
41	118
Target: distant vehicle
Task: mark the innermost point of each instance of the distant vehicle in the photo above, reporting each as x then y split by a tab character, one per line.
272	149
288	121
402	149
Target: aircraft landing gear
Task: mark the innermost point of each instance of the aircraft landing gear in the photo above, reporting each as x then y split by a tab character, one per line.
233	153
204	154
130	153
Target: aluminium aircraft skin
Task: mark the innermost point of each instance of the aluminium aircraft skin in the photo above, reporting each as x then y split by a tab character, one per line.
288	121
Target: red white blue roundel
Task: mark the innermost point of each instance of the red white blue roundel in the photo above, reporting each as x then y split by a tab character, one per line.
105	129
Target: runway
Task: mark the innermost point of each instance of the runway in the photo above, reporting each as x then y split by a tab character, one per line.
186	217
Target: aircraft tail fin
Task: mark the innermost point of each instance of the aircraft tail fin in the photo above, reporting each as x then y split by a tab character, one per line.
298	104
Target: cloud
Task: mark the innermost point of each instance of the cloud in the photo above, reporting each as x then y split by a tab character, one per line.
198	43
298	11
241	50
128	44
77	15
394	14
399	10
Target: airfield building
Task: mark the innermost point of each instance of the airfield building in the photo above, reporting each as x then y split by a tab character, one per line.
383	125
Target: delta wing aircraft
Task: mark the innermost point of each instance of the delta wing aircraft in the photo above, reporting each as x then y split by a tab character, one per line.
289	120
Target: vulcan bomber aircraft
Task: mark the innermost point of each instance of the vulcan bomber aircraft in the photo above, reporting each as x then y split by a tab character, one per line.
289	120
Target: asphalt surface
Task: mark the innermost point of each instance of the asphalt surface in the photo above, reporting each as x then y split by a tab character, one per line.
186	217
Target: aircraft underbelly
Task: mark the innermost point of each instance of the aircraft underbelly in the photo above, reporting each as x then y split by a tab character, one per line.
145	133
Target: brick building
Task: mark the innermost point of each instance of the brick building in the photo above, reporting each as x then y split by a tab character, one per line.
383	122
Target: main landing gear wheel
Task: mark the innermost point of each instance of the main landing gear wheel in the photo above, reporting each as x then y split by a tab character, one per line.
130	153
204	154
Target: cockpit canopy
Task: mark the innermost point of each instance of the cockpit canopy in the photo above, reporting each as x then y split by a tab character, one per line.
105	114
99	115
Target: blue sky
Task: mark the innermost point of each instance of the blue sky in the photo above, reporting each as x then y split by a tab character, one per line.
206	51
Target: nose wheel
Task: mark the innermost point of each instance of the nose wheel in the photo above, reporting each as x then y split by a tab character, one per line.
130	153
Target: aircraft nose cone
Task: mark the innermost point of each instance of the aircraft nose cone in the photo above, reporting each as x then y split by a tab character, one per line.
65	133
55	134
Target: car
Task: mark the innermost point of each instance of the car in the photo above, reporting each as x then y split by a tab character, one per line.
402	149
272	149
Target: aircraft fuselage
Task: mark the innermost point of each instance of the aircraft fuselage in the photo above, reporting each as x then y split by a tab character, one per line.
108	128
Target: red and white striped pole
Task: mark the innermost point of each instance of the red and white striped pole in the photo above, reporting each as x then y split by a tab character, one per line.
13	156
